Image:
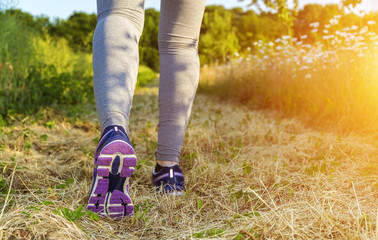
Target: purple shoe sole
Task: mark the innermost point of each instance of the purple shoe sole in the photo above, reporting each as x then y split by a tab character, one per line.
110	190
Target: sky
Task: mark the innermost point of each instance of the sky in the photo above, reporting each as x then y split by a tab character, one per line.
63	9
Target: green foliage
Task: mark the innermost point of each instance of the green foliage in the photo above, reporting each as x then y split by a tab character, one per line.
142	209
299	78
209	233
199	204
71	215
3	186
92	215
67	183
50	124
145	76
78	30
44	63
284	13
148	43
218	41
313	13
36	71
247	168
37	25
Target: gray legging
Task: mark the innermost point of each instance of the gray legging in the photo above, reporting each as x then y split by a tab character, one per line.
116	61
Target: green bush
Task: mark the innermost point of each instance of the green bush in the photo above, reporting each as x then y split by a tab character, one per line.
36	71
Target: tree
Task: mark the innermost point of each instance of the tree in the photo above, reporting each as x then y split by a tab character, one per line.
315	13
285	15
78	29
218	36
246	24
37	24
148	43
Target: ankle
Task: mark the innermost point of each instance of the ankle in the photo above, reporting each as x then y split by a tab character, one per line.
166	163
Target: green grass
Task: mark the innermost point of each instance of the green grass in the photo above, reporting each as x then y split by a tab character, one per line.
38	72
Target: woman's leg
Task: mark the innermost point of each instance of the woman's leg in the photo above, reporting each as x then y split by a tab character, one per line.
180	24
116	59
115	69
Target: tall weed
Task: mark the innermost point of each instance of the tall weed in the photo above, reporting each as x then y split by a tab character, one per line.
36	71
333	84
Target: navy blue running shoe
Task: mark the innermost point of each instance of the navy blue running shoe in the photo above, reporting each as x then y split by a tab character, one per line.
168	179
115	161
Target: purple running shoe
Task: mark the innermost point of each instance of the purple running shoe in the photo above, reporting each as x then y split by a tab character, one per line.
168	179
115	161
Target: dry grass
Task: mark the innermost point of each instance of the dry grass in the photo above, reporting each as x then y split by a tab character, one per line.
249	176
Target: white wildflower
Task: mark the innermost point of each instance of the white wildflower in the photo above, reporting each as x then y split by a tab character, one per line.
364	30
371	22
270	44
325	31
354	27
314	24
327	26
308	76
334	21
309	61
285	37
303	36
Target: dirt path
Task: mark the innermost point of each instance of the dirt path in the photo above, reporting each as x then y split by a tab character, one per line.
249	176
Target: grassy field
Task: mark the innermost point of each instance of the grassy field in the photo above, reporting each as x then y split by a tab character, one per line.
249	176
331	84
251	173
